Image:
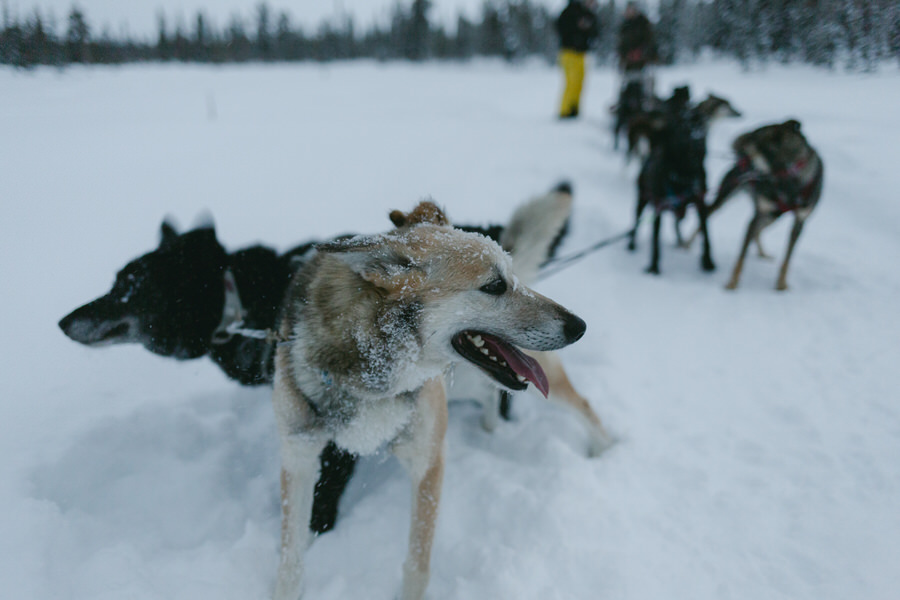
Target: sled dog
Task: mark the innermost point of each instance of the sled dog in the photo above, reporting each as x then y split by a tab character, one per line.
674	175
185	298
645	128
784	174
371	325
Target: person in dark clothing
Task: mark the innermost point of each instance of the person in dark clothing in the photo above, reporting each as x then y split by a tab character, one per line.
577	27
636	47
636	50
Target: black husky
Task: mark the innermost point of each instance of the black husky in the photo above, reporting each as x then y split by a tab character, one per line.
183	299
674	175
631	104
190	298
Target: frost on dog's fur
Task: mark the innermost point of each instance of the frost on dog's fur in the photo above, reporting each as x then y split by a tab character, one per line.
373	323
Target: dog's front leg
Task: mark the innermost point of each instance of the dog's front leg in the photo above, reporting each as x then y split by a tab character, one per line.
781	284
563	392
299	471
653	269
706	261
300	450
421	451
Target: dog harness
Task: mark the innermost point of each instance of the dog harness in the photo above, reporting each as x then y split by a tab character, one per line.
677	202
780	186
233	313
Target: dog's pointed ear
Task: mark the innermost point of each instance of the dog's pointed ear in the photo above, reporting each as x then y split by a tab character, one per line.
563	187
379	264
682	93
425	212
167	232
792	125
398	218
207	235
204	220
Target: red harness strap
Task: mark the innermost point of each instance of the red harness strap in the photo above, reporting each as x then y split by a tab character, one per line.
750	175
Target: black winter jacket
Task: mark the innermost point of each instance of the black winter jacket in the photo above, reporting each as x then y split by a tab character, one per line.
636	43
577	27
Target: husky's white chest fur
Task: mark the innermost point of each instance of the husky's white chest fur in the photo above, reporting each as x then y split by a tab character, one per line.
362	410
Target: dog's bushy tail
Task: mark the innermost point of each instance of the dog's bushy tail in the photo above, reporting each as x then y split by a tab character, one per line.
536	229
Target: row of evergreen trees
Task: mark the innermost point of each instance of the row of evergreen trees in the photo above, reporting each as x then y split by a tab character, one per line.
859	34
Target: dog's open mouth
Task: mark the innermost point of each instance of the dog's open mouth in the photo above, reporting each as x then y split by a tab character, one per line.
504	362
118	331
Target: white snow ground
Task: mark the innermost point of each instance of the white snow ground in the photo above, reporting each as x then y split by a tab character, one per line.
759	432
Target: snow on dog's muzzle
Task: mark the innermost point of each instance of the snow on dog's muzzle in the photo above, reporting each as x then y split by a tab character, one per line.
505	363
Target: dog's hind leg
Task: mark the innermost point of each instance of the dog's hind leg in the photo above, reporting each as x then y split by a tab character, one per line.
688	242
563	392
760	251
679	240
421	451
653	269
781	284
759	222
639	209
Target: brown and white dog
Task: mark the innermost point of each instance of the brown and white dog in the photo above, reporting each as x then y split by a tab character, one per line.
190	297
784	174
529	237
371	326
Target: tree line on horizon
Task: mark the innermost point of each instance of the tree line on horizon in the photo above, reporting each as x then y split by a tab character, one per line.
858	34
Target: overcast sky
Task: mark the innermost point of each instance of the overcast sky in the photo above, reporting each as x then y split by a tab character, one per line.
139	16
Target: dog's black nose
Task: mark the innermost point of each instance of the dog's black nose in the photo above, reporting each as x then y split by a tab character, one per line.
574	328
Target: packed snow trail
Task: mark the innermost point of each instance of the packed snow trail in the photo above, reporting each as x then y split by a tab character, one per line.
758	450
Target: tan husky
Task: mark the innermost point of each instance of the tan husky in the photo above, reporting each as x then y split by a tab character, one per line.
529	238
371	325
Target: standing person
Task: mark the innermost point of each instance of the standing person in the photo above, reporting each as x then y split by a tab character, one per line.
577	27
636	48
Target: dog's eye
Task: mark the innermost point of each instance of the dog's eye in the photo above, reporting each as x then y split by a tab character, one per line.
494	288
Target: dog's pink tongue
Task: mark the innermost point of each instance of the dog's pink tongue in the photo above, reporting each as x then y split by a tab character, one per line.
525	366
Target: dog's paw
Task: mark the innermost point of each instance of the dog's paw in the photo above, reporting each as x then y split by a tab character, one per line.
707	264
731	285
631	246
599	444
652	270
489	420
781	286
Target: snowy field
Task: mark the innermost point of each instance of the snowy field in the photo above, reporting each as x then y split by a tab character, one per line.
758	452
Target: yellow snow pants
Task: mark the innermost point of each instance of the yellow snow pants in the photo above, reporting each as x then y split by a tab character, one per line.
572	64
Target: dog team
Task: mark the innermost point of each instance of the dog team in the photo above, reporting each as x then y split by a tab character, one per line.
774	163
365	338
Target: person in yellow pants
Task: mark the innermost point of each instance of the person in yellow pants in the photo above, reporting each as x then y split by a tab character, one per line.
572	64
577	27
